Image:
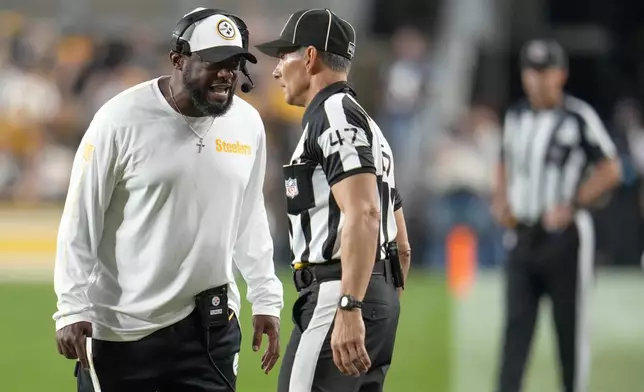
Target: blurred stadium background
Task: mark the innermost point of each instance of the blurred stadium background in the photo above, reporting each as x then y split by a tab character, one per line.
435	74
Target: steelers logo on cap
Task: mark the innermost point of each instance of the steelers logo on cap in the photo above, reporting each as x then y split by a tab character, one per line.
226	29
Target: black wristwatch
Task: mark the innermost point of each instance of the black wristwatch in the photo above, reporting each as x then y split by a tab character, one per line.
347	302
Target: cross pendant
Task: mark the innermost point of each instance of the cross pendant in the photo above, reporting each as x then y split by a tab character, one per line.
200	145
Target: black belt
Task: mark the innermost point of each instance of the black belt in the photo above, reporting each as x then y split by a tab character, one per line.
318	273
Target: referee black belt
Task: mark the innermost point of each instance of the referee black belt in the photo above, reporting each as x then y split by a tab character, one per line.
311	273
522	227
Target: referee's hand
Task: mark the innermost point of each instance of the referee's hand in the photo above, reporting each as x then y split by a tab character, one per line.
269	325
71	341
348	343
500	210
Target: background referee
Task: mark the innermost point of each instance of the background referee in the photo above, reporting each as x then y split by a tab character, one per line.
557	159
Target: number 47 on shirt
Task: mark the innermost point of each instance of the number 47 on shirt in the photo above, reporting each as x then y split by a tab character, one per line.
353	133
340	140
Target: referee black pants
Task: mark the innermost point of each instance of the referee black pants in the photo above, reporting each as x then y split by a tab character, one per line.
174	359
308	364
560	266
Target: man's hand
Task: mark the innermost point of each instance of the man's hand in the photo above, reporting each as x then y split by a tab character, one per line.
71	341
500	210
270	326
348	343
558	218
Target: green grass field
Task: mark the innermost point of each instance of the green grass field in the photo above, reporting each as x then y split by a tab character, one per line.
442	345
616	310
30	361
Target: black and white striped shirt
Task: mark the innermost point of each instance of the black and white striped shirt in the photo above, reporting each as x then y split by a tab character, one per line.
547	154
339	140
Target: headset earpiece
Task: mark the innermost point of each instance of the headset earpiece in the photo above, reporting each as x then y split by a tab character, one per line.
182	47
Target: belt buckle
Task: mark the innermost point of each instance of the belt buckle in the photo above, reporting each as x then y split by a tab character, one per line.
298	266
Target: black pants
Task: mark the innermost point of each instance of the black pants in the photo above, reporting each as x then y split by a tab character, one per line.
308	361
171	359
558	266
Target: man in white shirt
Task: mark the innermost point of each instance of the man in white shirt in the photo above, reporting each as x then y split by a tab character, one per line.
165	194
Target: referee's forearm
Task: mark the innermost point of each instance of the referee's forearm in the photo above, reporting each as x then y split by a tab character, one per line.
405	260
359	245
605	177
500	182
402	240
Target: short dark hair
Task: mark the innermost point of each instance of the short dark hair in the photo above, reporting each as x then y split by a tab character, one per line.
335	62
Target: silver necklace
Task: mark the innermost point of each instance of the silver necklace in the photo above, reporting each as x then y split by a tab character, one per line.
200	144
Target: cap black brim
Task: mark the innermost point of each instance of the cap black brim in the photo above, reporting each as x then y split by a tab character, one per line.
274	48
538	66
222	53
541	66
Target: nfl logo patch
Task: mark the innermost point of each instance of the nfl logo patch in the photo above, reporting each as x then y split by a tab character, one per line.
291	188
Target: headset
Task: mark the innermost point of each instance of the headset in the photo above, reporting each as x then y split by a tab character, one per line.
182	46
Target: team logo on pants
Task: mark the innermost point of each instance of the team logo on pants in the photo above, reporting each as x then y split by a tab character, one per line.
215	301
291	188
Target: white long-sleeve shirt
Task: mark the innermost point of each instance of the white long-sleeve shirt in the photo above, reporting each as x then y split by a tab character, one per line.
149	221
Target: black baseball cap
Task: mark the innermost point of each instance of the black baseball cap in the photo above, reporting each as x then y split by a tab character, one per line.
542	54
320	28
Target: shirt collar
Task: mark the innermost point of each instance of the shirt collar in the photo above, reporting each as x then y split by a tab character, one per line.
323	95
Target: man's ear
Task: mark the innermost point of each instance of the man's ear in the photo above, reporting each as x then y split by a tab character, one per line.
310	57
177	60
564	77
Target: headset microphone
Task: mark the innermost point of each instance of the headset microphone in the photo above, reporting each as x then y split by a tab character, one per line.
247	86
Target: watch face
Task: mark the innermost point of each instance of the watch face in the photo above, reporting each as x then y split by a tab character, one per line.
344	301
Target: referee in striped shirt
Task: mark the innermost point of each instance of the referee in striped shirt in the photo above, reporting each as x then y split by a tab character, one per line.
345	217
557	159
